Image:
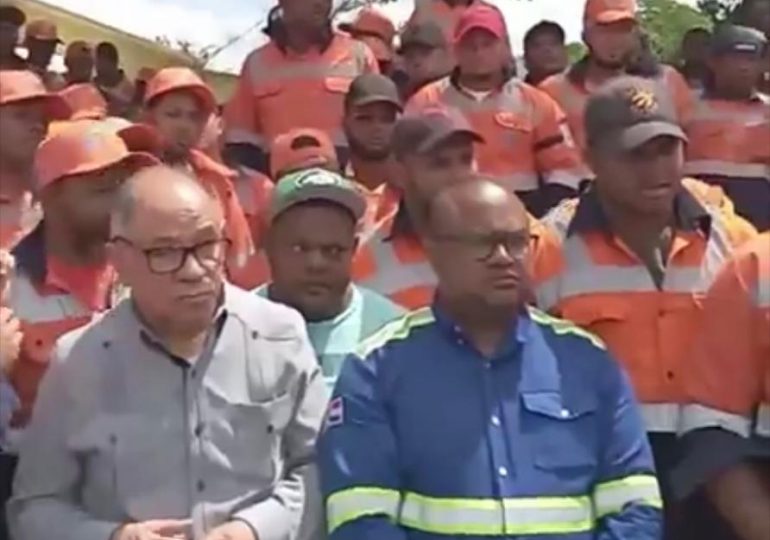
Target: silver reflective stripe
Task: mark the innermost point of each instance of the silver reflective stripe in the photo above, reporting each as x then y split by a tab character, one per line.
613	497
266	73
763	289
568	178
244	189
355	503
696	416
508	100
706	112
495	517
28	305
662	417
516	181
726	168
392	275
242	136
762	427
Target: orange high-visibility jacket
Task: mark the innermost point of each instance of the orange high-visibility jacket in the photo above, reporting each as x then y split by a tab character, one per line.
729	382
729	145
527	140
600	284
573	98
279	90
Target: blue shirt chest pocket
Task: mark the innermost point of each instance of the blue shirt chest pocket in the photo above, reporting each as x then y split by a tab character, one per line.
562	439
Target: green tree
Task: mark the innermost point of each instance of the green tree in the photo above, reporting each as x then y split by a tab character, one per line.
576	51
666	22
719	10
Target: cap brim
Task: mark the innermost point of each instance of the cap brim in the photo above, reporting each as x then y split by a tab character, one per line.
635	136
460	36
56	107
141	138
347	27
348	199
205	95
378	98
615	16
435	141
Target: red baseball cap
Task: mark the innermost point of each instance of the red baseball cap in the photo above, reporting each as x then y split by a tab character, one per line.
85	102
84	147
299	149
481	16
25	86
609	11
177	79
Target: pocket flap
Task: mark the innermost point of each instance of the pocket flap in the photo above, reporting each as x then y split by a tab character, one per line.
550	404
584	313
513	121
267	90
339	85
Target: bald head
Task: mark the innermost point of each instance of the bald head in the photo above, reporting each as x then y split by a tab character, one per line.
468	203
157	194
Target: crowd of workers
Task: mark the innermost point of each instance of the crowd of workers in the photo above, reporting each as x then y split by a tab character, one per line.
389	290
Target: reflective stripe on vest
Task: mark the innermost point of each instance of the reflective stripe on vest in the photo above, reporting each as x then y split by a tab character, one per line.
582	275
508	99
493	517
244	136
246	193
705	111
763	420
705	167
392	275
356	503
661	417
612	497
30	306
696	416
762	293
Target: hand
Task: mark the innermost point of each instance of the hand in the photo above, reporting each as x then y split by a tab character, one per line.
234	530
7	264
159	529
10	339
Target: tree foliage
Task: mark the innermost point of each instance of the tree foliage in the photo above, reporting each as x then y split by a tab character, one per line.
666	21
719	10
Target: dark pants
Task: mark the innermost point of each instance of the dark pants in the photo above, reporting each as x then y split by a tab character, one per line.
693	518
7	468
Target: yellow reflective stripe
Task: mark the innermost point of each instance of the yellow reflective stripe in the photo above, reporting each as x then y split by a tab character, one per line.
492	517
355	503
562	327
396	330
612	497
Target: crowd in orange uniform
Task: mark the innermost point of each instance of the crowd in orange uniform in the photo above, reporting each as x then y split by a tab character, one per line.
651	244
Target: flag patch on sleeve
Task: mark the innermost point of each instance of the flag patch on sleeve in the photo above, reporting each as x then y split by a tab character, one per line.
335	415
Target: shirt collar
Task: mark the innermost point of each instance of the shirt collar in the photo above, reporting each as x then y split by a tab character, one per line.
689	214
323	44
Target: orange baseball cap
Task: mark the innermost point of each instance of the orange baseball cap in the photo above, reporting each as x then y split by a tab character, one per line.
85	102
43	30
299	149
84	147
24	86
609	11
138	137
177	79
374	29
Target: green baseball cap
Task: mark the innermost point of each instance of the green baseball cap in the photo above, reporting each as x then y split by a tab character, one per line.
316	185
627	112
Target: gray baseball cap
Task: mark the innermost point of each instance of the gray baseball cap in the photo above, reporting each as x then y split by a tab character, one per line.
729	39
423	130
629	111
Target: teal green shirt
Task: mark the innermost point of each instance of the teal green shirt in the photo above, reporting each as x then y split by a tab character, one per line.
335	338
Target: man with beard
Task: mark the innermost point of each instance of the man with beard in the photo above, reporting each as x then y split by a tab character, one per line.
611	33
298	79
372	107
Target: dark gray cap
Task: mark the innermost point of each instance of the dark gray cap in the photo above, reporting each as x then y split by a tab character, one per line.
372	88
422	34
423	130
730	39
627	112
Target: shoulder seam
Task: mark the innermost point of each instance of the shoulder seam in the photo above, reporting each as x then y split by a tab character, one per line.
398	329
564	327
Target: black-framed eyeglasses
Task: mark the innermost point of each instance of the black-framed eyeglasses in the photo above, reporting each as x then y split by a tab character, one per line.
483	247
168	260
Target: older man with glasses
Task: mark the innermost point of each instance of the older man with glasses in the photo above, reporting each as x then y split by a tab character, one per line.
188	411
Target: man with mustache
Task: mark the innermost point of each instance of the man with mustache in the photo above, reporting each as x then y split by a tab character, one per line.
478	417
188	411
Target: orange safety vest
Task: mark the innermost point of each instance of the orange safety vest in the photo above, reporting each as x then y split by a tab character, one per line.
601	285
573	99
279	90
526	136
729	386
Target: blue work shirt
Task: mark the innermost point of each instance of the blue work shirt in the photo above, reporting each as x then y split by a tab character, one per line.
425	438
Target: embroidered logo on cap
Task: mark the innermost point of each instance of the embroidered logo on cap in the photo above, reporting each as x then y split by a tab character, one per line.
643	101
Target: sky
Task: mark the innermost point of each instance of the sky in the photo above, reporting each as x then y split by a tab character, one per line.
214	22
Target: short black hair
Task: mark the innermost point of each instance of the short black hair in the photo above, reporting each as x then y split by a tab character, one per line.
545	27
107	50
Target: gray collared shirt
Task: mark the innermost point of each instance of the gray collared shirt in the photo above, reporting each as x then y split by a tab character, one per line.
123	432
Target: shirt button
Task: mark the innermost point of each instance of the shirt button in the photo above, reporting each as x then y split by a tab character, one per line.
565	413
502	471
201	486
496	421
198	430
